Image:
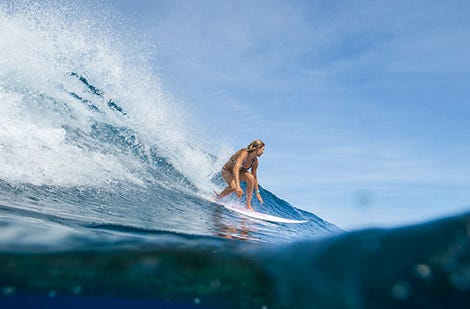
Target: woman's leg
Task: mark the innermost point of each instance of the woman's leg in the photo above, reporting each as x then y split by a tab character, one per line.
250	184
228	177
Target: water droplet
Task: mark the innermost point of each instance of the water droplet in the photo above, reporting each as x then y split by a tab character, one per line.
8	290
52	293
215	284
363	199
197	301
423	271
77	289
401	290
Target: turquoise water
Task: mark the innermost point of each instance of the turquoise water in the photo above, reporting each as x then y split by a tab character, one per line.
423	266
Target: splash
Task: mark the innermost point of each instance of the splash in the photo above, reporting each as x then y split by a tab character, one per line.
81	104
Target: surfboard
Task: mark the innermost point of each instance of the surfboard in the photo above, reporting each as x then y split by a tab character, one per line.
262	216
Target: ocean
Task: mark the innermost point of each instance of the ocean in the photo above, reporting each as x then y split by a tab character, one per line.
106	197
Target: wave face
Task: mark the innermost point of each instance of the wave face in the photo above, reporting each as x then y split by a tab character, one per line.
92	146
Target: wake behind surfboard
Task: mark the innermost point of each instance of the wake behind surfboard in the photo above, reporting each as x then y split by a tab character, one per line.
261	216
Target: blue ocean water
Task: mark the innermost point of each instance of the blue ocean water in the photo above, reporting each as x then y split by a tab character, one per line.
105	197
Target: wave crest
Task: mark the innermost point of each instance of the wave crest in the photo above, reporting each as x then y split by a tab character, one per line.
72	86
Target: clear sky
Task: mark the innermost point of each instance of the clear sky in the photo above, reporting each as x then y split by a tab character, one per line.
364	105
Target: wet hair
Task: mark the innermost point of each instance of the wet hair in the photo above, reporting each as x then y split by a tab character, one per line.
257	143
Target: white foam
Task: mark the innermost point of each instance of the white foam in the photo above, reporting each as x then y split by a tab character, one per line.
40	47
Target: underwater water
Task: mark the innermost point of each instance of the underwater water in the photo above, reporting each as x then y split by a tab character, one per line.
105	197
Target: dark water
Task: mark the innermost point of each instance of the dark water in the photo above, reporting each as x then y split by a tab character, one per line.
105	197
423	266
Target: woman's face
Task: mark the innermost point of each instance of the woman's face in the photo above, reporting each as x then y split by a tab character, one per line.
260	151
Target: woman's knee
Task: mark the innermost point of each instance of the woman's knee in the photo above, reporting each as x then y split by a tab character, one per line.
250	179
232	186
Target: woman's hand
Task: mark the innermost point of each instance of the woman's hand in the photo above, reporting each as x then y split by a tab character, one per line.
239	192
260	199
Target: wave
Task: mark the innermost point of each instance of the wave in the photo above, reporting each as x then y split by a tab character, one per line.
68	96
88	135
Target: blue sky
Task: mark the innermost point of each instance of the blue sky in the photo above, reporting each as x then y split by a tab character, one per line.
363	105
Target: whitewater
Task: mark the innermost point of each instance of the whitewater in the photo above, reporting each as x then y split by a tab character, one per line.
102	176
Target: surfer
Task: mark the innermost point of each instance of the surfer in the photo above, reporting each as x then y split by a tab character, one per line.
242	166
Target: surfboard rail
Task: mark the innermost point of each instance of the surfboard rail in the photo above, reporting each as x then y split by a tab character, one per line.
261	216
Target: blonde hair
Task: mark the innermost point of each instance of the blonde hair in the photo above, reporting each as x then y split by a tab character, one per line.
257	143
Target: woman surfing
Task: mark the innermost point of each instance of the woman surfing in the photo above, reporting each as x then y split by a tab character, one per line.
242	166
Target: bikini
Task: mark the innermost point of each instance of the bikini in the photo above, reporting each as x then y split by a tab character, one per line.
242	169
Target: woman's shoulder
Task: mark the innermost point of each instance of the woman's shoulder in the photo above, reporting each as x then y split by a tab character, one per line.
241	152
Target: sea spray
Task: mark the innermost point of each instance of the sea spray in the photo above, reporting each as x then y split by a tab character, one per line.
64	72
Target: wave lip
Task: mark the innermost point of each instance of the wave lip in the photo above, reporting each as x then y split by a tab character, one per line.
58	84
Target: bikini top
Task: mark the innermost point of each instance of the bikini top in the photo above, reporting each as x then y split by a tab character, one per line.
243	163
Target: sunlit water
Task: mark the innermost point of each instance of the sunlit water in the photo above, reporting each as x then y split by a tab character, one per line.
105	193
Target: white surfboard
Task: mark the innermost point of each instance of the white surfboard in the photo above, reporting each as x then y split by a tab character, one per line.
262	216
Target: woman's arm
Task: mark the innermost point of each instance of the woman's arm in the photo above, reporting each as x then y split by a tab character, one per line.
253	172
